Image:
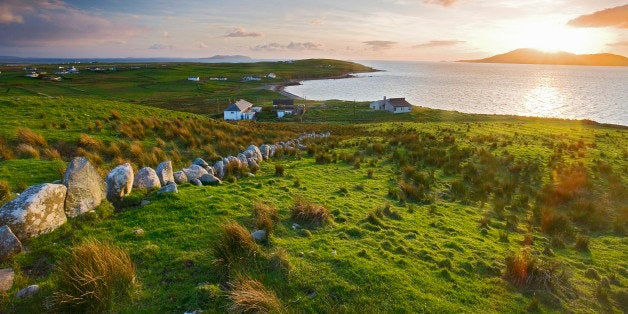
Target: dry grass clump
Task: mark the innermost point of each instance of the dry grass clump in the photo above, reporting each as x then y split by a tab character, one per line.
28	136
94	158
89	142
527	272
6	152
309	213
235	243
27	151
5	190
250	296
51	153
93	277
265	216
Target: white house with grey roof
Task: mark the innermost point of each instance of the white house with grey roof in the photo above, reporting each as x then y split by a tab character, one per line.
241	110
394	105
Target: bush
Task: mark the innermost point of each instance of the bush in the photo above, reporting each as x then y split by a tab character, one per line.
279	170
28	136
526	272
305	212
93	277
250	296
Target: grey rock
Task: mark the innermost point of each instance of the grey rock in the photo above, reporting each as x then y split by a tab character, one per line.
38	210
147	179
253	152
253	164
219	169
208	179
119	183
194	172
86	189
169	188
57	182
197	182
6	279
242	159
27	292
164	172
301	147
233	161
9	243
265	151
259	235
273	149
200	162
144	203
179	177
209	169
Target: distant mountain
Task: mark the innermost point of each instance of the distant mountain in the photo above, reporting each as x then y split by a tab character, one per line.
533	56
226	57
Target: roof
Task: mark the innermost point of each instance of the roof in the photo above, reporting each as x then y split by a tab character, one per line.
240	105
277	102
398	102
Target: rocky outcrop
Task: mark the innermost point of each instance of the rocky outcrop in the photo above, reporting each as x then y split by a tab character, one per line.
194	172
180	177
119	183
86	189
147	179
168	188
9	244
38	210
164	172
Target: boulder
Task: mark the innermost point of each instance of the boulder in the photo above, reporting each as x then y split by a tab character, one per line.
39	209
144	203
169	188
209	169
208	179
200	162
219	169
234	161
252	164
27	292
179	178
6	279
259	235
242	158
197	182
9	244
146	178
119	183
301	147
254	152
265	150
272	150
86	189
164	172
194	172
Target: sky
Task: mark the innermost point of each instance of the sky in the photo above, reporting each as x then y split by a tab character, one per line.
428	30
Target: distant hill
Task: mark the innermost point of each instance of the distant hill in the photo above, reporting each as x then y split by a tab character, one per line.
533	56
227	57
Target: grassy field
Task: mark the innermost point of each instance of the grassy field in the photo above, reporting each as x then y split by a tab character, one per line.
434	211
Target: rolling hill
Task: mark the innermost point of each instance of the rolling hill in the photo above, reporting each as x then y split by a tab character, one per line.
533	56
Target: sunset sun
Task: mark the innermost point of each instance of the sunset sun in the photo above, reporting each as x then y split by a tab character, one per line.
553	38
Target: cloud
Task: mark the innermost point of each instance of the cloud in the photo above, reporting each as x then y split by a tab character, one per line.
613	17
160	47
294	46
618	44
32	23
315	22
438	43
241	32
202	45
380	44
445	3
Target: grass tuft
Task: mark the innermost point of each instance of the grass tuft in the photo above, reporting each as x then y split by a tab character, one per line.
30	137
235	242
250	296
265	216
305	212
94	277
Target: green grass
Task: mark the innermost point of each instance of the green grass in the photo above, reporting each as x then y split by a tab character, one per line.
407	195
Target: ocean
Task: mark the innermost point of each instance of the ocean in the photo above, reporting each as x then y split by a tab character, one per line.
572	92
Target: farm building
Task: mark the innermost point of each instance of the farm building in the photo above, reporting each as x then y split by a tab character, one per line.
283	102
241	110
394	105
194	78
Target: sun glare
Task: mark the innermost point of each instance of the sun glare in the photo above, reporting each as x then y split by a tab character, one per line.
552	38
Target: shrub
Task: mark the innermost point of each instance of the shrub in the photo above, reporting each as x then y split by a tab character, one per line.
279	170
250	296
93	277
265	216
235	242
28	136
308	213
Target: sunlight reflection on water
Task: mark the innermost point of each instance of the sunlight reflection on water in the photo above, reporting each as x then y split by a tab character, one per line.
573	92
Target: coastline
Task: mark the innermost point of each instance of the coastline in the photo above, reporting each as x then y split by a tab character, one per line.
280	88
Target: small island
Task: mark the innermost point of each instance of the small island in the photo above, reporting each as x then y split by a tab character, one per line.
533	56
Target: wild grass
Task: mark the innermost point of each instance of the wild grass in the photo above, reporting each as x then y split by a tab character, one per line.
94	277
305	212
30	137
527	272
235	245
250	296
265	216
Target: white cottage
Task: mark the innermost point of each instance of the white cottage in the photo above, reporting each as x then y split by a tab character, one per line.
241	110
394	105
